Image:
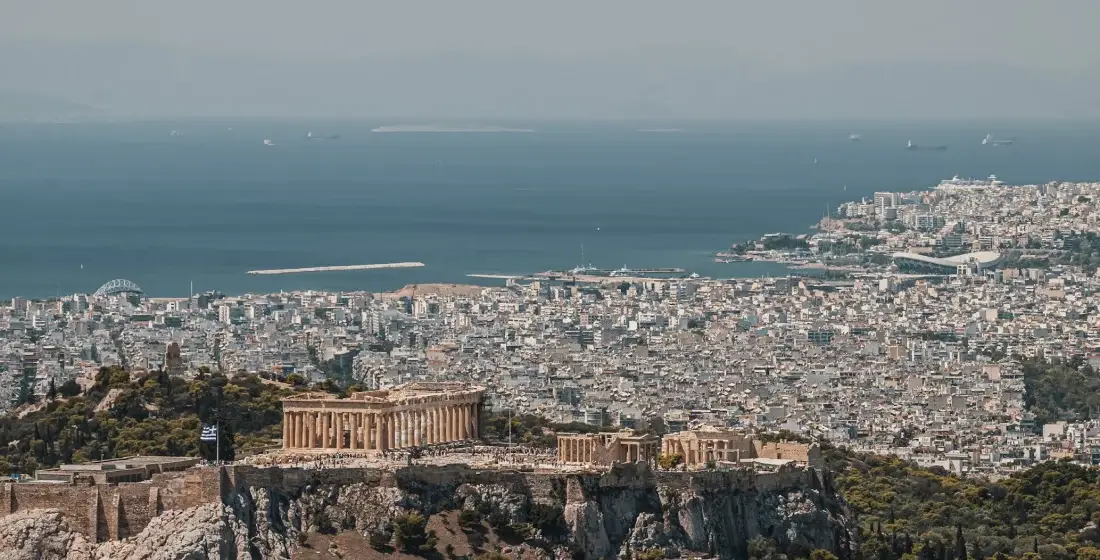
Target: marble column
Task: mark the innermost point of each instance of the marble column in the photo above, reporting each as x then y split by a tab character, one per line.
430	414
386	423
403	429
371	420
397	426
379	440
293	429
429	426
463	426
426	415
338	429
437	425
353	441
366	430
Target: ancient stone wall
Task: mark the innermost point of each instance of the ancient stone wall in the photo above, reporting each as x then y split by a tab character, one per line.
113	511
106	512
789	450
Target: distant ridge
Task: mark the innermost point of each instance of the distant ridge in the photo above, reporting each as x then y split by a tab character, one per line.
445	128
26	106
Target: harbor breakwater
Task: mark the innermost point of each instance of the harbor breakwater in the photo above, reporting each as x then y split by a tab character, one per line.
337	268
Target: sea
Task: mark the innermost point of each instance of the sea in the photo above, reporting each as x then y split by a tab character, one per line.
176	206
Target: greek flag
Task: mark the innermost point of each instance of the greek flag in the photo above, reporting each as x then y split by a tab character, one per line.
209	433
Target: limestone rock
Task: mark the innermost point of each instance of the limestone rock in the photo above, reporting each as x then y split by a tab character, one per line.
40	534
199	533
595	515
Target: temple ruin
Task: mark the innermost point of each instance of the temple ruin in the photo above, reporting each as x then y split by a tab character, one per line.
411	415
698	447
624	446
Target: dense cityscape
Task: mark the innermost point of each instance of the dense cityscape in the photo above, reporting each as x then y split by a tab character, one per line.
944	334
896	349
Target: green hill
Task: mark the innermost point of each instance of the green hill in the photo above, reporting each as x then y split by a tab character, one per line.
154	414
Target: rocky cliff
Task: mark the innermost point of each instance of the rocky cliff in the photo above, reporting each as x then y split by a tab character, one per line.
264	513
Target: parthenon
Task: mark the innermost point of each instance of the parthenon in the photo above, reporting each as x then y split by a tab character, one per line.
411	415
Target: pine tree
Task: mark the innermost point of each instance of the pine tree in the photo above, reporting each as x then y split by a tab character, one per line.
960	543
51	392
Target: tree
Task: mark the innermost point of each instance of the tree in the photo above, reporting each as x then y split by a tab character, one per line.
409	534
822	554
69	388
960	543
51	392
669	461
761	548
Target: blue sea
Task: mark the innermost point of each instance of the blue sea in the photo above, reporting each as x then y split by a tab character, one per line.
81	204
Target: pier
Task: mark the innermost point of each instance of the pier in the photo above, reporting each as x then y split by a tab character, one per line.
503	276
337	268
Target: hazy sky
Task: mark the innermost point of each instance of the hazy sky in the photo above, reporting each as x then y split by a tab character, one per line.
1058	33
1057	36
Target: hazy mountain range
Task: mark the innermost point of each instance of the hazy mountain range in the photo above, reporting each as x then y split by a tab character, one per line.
29	106
127	80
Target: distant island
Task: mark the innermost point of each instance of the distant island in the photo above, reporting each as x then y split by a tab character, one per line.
23	106
444	128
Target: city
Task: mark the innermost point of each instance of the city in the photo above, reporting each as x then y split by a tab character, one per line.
926	363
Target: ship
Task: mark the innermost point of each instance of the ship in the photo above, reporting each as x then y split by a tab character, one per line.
311	136
990	141
268	142
854	137
911	146
958	184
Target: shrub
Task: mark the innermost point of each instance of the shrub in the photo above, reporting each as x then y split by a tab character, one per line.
322	524
669	461
467	517
548	519
379	541
408	532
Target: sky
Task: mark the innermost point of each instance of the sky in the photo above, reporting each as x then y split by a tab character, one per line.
641	57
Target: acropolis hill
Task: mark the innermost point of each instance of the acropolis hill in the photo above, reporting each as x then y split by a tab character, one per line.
264	512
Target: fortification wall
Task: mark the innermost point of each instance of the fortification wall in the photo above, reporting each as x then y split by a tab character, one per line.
109	511
790	450
113	511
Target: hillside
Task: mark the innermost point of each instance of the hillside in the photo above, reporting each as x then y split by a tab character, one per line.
20	106
154	414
